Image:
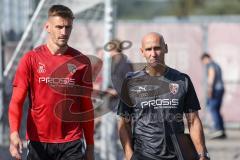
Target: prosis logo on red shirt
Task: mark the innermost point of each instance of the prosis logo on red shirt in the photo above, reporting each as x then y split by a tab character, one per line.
57	81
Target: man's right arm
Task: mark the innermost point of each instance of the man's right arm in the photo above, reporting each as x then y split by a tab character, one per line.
15	116
210	81
124	130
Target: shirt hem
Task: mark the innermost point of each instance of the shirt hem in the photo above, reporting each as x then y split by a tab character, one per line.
55	141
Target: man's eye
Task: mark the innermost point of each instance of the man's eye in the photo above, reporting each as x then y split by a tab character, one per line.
68	27
148	49
157	48
154	48
59	27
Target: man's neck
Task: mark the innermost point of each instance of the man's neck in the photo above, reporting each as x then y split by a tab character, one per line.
156	71
117	57
56	50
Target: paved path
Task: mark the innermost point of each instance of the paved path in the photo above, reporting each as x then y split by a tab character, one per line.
227	149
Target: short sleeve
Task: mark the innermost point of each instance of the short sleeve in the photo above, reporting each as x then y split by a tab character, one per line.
125	108
191	102
22	75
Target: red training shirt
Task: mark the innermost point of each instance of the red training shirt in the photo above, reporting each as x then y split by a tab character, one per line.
59	89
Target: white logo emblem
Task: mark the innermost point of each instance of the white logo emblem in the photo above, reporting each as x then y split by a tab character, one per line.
173	88
141	88
72	68
144	88
41	68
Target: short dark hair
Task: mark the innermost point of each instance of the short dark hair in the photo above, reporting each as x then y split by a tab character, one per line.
60	10
205	55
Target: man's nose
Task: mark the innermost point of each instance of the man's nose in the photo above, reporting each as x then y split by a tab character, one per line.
153	52
64	31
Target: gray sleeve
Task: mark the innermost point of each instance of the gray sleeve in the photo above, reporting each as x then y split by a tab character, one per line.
125	108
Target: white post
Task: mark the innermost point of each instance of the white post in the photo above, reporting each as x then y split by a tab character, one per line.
109	31
205	49
1	88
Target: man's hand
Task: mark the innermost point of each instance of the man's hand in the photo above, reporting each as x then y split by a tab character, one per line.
15	145
209	92
129	155
111	91
89	152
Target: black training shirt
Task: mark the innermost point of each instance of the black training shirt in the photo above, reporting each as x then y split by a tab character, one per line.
152	103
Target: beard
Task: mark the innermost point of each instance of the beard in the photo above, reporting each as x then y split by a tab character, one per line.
62	43
155	63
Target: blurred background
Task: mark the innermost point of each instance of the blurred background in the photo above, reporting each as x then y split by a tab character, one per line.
190	27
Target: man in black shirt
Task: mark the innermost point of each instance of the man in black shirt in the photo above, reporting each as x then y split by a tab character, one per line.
119	67
153	101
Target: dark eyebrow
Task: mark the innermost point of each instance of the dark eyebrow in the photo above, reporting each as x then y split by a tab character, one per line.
61	26
146	49
154	48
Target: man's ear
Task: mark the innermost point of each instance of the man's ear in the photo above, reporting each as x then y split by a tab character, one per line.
141	50
47	27
165	49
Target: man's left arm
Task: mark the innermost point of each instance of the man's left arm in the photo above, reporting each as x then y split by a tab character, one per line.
87	118
88	127
196	133
210	81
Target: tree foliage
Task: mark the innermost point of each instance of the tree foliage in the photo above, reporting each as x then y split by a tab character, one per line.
148	9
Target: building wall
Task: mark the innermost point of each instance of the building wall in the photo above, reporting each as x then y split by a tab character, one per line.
186	43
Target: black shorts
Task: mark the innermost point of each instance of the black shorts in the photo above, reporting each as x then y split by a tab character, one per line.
56	151
139	156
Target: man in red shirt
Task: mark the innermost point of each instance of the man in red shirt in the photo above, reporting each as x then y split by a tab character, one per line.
57	79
